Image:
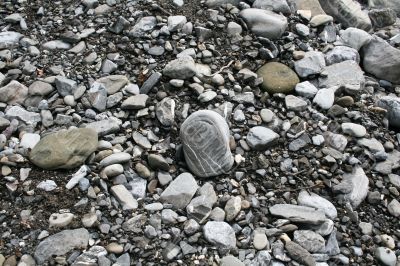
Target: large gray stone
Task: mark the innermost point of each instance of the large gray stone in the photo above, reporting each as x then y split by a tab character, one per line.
261	138
205	138
312	63
124	197
181	68
298	214
354	186
264	23
180	191
346	74
65	149
220	234
231	261
13	92
348	13
61	243
382	60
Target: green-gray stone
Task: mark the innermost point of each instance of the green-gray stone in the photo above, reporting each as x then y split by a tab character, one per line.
278	78
65	149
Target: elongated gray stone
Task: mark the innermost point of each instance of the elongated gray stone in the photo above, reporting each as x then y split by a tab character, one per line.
61	243
298	214
205	139
313	200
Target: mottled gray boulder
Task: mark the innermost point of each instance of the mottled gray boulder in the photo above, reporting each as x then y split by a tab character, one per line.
348	13
311	199
61	243
181	68
205	138
13	92
180	191
261	138
341	53
354	186
9	39
311	241
65	149
278	6
264	23
392	105
381	60
220	234
298	214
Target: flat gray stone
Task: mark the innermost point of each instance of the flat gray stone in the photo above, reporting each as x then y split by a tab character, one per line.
355	38
298	214
261	138
180	191
231	261
61	243
165	111
278	6
106	126
113	83
125	197
205	138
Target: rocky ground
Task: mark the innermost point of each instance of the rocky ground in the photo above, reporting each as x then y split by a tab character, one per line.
180	132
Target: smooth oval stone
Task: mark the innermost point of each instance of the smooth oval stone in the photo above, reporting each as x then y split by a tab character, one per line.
205	138
278	78
65	149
